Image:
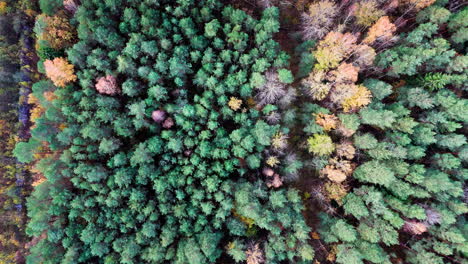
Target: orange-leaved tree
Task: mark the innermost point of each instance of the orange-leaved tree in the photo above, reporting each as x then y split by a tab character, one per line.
382	30
60	71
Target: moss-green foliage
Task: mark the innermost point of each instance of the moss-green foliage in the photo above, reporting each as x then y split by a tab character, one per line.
50	7
320	144
424	50
379	89
138	191
374	172
458	27
435	14
410	185
285	76
307	60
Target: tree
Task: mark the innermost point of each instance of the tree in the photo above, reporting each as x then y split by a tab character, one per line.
158	116
60	71
315	88
364	56
108	146
381	31
367	13
320	144
328	122
374	172
272	90
350	97
107	85
379	89
433	14
285	76
3	7
346	150
457	26
254	254
211	28
379	118
24	151
235	250
58	33
235	103
333	174
333	49
193	253
345	73
50	7
70	5
319	19
414	4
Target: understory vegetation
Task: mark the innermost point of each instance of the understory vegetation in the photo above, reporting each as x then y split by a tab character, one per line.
211	131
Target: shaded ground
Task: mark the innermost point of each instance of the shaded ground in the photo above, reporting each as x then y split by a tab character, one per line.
28	61
289	39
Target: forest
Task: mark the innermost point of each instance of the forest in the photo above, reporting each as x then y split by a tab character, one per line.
233	131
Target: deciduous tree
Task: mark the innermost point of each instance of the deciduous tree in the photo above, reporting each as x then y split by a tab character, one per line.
319	19
381	31
60	71
107	85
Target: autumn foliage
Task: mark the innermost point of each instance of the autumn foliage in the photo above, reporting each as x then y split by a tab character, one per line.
367	12
3	7
416	4
107	85
319	19
382	30
190	137
70	5
59	33
60	71
334	48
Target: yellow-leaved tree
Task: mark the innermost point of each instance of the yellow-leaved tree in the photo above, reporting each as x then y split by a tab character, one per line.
59	33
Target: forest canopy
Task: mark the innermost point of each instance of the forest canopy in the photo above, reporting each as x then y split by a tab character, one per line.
270	131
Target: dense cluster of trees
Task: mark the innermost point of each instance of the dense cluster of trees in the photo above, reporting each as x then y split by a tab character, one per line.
160	151
9	67
178	132
15	68
394	171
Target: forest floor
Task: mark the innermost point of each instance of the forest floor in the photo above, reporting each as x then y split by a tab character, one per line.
28	61
289	39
